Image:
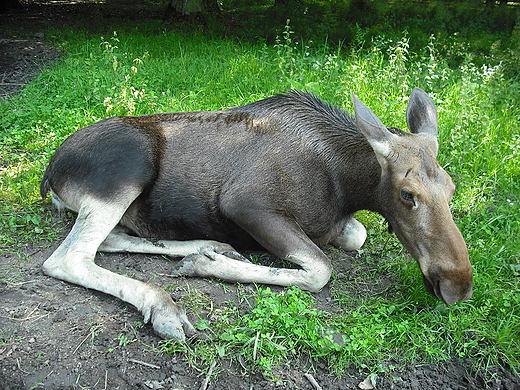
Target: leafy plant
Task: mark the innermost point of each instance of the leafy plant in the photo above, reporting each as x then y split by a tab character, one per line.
281	324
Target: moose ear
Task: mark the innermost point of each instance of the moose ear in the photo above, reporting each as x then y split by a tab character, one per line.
421	114
373	129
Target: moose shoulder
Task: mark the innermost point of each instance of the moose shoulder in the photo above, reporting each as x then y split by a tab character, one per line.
286	173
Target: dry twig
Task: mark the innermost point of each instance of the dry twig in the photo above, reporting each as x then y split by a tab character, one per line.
143	363
204	385
80	344
311	379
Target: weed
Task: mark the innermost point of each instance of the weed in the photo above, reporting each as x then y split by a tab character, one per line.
125	97
124	341
280	324
285	50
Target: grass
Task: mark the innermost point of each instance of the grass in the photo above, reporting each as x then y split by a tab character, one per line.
131	72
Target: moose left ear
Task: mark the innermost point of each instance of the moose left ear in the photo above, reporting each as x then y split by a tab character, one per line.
421	114
372	128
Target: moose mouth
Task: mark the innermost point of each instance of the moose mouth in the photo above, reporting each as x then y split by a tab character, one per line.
433	290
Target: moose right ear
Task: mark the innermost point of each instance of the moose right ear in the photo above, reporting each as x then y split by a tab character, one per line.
373	129
421	115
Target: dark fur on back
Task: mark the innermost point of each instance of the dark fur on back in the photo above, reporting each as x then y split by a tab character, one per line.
305	114
328	128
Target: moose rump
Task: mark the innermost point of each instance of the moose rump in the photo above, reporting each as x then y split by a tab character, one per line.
286	173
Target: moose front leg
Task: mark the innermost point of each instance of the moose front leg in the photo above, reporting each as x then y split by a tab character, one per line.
282	237
215	265
352	236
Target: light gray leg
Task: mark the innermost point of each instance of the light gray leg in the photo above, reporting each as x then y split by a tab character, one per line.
211	264
73	262
214	259
352	237
119	241
208	259
282	237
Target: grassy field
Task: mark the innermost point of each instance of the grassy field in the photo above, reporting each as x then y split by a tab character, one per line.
135	72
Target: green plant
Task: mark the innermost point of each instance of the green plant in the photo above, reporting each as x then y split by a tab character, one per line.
281	324
124	340
285	50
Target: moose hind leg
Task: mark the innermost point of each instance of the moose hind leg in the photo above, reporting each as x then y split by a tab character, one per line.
352	237
120	241
73	262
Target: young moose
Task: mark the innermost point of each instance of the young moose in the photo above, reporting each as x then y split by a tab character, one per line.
287	173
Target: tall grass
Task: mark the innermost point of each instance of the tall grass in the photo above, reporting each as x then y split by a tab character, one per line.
130	73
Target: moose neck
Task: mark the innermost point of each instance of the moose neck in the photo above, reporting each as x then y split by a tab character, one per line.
358	175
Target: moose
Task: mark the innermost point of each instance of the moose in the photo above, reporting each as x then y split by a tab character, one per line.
286	174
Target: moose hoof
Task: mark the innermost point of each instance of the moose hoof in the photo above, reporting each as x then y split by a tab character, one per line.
188	265
236	256
172	324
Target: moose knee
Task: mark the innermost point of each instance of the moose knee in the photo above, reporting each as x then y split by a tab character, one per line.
352	237
317	276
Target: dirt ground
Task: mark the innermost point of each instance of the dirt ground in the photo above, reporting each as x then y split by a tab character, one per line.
54	335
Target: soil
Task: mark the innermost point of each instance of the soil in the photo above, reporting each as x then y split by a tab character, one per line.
54	335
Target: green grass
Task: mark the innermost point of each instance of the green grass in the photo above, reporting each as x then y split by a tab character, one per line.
134	73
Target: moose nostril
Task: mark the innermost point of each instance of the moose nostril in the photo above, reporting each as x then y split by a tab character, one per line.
433	286
449	286
428	286
438	291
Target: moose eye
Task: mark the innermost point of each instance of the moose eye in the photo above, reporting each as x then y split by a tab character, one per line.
407	197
